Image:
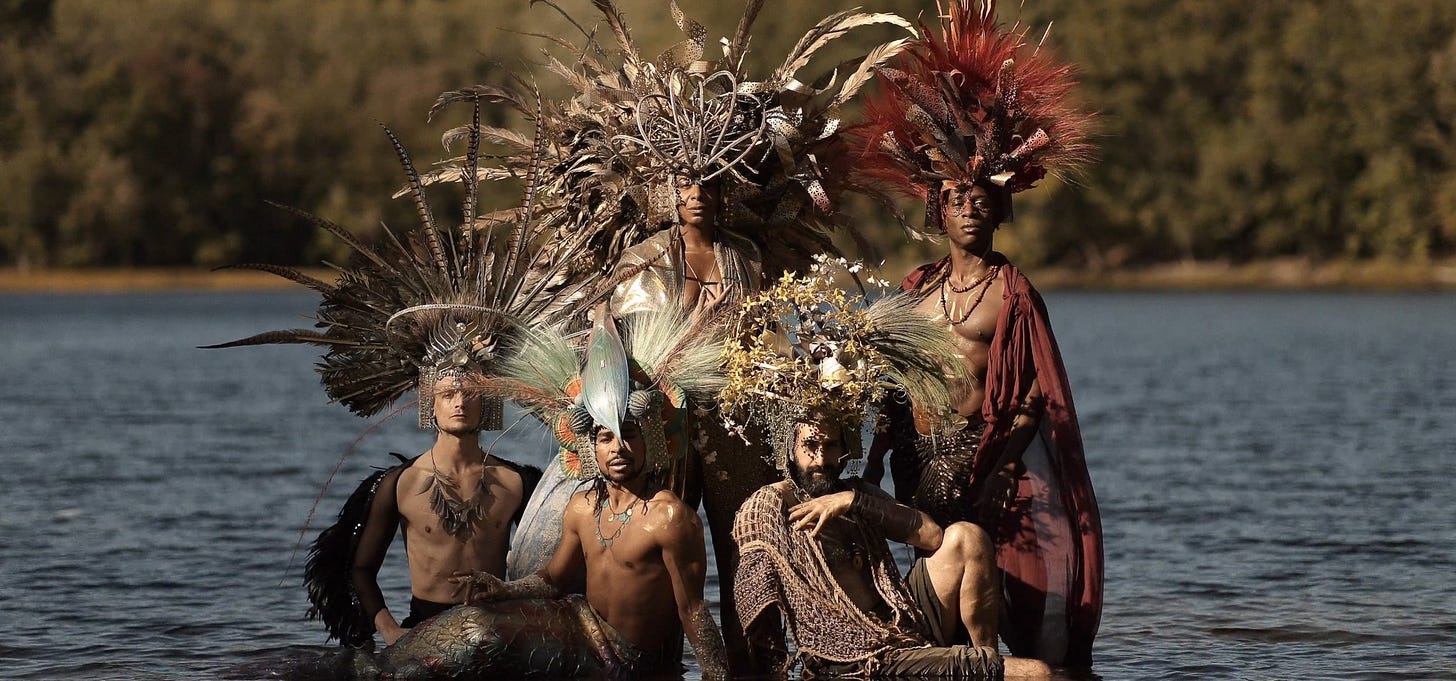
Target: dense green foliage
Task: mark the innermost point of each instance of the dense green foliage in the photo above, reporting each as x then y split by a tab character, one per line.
150	133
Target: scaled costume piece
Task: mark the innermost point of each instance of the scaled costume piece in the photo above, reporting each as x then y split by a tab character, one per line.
362	534
975	104
1045	523
785	572
520	639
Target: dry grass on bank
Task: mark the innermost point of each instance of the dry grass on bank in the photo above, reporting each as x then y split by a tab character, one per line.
1288	274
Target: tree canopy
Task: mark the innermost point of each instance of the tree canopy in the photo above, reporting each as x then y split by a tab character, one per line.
151	133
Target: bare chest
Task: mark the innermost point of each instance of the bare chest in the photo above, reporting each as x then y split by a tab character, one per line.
473	513
971	316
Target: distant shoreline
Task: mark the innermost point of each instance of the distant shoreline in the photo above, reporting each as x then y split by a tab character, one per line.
1287	274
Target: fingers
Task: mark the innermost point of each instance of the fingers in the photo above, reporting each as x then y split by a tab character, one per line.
819	524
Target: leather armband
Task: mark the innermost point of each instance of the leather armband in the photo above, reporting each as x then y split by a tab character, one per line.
894	520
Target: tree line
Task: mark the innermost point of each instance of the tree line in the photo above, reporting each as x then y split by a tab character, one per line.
151	133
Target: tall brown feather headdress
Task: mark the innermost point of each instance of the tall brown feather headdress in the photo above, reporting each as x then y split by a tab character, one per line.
439	301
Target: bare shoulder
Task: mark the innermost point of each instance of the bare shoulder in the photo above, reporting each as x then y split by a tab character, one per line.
414	474
579	505
677	520
505	474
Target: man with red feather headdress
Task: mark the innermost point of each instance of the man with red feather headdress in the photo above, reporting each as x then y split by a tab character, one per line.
972	115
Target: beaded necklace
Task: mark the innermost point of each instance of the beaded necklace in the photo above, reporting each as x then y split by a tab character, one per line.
984	282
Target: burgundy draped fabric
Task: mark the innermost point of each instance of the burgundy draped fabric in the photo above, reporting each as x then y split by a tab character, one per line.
1049	536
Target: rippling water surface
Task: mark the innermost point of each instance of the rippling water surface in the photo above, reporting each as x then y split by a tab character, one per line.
1274	471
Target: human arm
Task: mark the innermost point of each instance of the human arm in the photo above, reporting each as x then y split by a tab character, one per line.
685	558
1025	422
756	593
565	565
896	521
874	470
380	527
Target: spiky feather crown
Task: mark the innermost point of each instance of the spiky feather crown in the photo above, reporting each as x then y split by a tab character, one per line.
806	349
974	104
441	300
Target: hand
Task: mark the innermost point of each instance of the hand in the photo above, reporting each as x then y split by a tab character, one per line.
478	586
814	513
391	633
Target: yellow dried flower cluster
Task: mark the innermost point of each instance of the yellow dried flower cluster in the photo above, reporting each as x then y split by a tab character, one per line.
803	341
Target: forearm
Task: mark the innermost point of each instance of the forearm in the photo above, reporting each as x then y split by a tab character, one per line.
532	586
897	521
1024	426
707	641
371	599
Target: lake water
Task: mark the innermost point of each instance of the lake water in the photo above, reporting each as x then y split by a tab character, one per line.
1274	471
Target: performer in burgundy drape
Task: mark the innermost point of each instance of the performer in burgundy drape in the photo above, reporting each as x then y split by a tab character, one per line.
971	117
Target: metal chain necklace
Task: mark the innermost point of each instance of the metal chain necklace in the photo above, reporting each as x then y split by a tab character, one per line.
622	519
458	517
984	283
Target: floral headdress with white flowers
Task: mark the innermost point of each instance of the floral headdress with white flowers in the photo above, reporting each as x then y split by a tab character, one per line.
807	349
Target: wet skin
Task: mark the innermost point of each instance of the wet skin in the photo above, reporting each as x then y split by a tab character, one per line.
434	555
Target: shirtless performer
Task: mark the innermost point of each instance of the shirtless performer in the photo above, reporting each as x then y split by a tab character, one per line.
1016	468
455	503
641	551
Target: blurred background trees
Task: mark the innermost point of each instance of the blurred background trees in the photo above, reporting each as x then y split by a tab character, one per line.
150	133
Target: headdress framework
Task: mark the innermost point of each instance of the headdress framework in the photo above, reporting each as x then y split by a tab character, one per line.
642	368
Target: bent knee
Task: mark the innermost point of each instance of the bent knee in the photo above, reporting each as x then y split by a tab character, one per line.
1025	668
968	541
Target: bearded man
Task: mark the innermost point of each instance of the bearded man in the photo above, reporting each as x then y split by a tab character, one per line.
814	552
809	363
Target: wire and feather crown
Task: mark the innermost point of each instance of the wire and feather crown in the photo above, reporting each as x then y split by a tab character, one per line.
973	103
634	121
439	300
806	348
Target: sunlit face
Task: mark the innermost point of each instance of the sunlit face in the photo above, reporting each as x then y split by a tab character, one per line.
457	409
818	456
972	212
697	203
621	458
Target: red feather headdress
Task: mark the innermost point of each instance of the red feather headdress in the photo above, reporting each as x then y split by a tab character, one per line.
973	103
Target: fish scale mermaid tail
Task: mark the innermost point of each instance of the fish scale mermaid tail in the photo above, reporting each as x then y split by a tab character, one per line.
519	639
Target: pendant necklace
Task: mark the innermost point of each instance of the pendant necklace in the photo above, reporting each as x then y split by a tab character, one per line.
622	519
983	282
458	517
